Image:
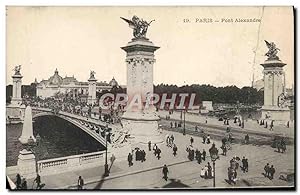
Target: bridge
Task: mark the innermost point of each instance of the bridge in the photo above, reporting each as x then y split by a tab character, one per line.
94	127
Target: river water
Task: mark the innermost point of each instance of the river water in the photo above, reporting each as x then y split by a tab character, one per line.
58	138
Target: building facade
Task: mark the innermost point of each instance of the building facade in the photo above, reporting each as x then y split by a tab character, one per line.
70	86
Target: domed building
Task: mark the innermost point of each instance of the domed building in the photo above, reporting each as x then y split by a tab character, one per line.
69	86
113	83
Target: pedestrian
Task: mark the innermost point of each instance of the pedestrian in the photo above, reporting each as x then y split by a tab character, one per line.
272	172
18	181
282	145
243	164
137	155
209	169
288	124
24	184
168	141
149	145
246	165
229	174
266	126
165	172
143	156
175	150
267	170
171	124
271	125
80	183
172	139
200	158
192	141
129	158
204	138
203	154
155	149
205	172
112	159
175	125
196	128
208	139
247	139
197	154
38	181
224	149
158	153
202	173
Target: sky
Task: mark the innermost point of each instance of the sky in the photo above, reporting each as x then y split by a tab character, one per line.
76	40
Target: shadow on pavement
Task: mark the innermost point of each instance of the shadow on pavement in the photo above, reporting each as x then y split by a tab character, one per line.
99	185
175	183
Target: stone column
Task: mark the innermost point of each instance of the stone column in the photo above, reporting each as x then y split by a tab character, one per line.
17	86
92	89
274	88
26	164
140	121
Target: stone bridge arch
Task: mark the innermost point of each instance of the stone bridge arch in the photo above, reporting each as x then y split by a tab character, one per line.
94	130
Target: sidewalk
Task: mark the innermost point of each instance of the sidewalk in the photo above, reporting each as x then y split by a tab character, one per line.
183	173
249	126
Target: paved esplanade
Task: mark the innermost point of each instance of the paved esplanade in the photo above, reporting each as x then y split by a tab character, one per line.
149	173
249	125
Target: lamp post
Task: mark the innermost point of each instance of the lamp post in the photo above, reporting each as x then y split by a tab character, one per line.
106	171
183	122
214	156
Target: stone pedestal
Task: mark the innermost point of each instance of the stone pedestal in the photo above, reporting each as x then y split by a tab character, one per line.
26	164
141	122
17	85
27	131
274	89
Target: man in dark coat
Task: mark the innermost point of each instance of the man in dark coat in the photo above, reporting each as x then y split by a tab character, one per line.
38	181
143	155
192	141
244	164
267	170
247	139
165	172
18	181
209	170
158	153
129	158
272	172
204	154
80	183
149	145
175	150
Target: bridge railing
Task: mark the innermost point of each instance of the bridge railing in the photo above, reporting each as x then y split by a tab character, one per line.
70	163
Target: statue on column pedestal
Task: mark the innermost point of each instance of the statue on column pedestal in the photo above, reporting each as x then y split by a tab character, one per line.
273	50
139	26
17	69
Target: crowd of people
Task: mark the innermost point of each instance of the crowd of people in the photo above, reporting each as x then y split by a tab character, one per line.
21	183
78	107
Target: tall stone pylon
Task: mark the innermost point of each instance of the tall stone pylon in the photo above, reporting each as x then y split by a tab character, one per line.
274	107
27	131
92	88
140	121
17	85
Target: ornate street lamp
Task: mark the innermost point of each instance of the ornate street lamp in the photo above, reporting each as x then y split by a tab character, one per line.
214	156
106	171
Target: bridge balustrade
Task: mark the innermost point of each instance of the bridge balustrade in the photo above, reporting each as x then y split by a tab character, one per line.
70	163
